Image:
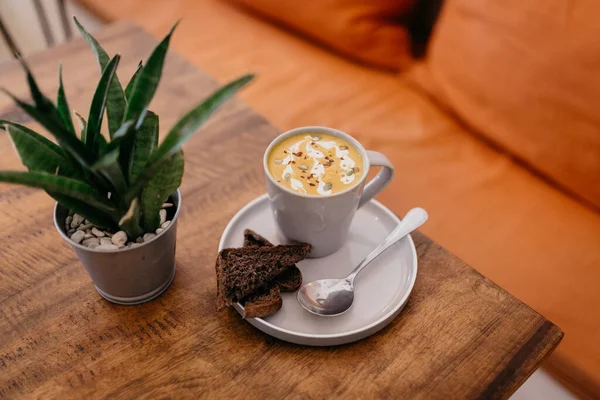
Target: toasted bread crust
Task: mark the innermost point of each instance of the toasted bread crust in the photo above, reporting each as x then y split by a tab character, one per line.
263	304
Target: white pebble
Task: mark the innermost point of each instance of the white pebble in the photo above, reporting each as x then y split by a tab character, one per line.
88	235
91	241
97	232
159	230
119	238
76	221
105	241
77	236
107	233
167	205
107	246
68	221
149	236
163	216
84	227
166	224
92	245
70	232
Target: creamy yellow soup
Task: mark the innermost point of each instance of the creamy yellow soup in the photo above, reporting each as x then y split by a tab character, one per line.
315	163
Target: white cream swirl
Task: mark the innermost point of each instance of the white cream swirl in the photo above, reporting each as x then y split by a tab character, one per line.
318	168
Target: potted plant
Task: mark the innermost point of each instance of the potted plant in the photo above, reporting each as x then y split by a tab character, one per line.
118	197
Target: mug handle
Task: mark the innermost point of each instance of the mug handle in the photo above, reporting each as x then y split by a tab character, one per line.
381	180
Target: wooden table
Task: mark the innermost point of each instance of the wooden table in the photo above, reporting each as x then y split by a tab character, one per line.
460	336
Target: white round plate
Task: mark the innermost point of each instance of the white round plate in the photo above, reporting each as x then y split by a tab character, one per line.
381	290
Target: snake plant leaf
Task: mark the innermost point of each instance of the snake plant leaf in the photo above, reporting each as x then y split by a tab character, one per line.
38	153
46	114
115	107
68	142
145	142
108	166
184	129
125	142
94	122
82	125
41	102
163	184
123	131
43	105
130	222
101	144
189	124
103	148
60	185
146	84
133	81
121	134
113	173
63	106
75	150
97	217
106	160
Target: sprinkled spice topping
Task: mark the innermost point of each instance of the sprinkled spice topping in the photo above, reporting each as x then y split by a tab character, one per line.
326	164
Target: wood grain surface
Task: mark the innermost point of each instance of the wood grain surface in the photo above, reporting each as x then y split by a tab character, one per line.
460	335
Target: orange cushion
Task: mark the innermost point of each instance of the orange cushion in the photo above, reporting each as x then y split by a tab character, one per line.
526	76
365	30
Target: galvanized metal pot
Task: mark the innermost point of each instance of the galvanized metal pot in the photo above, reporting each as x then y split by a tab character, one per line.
132	275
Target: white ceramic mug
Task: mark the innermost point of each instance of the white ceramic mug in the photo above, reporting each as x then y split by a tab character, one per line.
323	221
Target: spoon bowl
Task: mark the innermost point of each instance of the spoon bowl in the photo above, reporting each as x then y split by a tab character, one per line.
329	297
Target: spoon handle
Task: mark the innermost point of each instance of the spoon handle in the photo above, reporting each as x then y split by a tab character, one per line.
411	221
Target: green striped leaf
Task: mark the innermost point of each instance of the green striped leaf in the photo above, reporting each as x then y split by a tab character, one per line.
63	106
108	166
146	84
126	130
38	153
130	222
115	107
164	183
184	130
145	142
68	142
41	102
96	216
62	186
189	124
133	81
94	122
82	126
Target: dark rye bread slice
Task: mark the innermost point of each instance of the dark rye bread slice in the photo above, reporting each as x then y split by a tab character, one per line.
289	280
268	301
245	270
262	304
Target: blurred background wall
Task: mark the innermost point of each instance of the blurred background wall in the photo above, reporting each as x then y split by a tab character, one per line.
25	24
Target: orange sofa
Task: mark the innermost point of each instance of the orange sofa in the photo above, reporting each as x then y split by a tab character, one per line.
533	228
